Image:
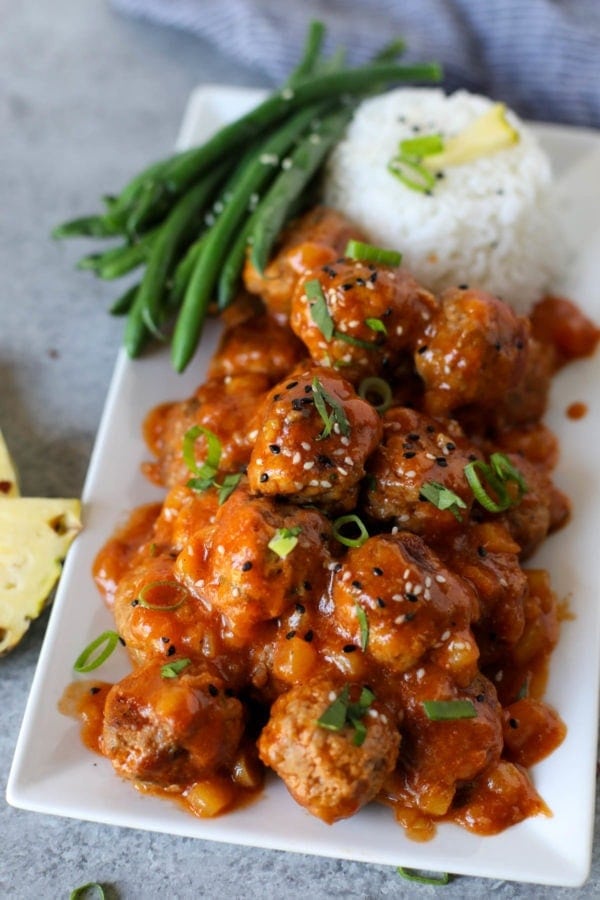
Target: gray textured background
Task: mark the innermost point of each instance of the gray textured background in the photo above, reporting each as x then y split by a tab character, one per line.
86	98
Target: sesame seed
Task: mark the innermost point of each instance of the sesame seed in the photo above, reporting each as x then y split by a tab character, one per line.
445	635
325	484
296	458
221	549
440	579
342	471
410	474
305	445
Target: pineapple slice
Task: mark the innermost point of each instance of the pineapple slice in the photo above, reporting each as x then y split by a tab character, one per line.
35	534
485	135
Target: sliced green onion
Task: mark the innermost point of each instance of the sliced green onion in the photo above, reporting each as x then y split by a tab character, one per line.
413	875
376	325
354	341
422	146
380	389
147	599
412	174
443	498
213	455
338	417
84	889
228	485
504	500
350	519
364	626
447	710
172	670
505	470
341	713
284	540
369	253
318	311
87	661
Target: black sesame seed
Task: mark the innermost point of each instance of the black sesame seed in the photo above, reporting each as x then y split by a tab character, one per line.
290	635
135	602
442	462
337	567
347	286
264	477
247	566
309	636
413	436
171	650
357	585
497	346
422	349
482	551
472	457
463	287
519	344
94	690
440	175
324	460
329	271
348	648
308	388
513	723
377	570
409	454
360	282
408	617
430	429
412	598
274	448
213	691
291	385
300	608
450	446
480	698
277	397
165	639
373	278
122	642
307	586
381	603
229	692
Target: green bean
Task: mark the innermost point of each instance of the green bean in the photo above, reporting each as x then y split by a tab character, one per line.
183	272
148	305
123	304
249	181
117	261
304	161
86	226
310	53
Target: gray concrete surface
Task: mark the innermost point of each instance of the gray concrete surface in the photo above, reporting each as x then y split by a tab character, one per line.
86	98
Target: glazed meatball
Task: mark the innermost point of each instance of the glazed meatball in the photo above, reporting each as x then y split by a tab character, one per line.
171	731
419	452
318	237
439	755
226	407
244	572
257	345
314	440
369	317
473	352
411	602
327	771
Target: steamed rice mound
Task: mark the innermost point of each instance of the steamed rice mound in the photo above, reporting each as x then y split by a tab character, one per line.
490	221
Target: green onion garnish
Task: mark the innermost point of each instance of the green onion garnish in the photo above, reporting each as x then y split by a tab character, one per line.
229	484
213	456
161	595
318	310
412	174
376	325
443	498
447	710
412	875
377	392
284	540
341	713
497	474
369	253
337	416
87	661
172	669
80	892
350	519
422	146
364	626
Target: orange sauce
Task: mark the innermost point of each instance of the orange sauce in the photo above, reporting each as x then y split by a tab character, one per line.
577	410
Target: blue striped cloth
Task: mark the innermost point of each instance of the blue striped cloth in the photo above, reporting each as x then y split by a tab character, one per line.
541	56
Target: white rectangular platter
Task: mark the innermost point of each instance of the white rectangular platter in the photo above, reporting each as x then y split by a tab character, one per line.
52	771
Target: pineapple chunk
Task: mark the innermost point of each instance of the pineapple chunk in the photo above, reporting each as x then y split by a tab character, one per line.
485	135
35	535
9	482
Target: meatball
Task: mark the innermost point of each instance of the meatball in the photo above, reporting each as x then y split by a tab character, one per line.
410	600
440	755
541	509
329	772
473	352
257	345
226	406
419	452
314	440
369	317
171	731
261	556
316	238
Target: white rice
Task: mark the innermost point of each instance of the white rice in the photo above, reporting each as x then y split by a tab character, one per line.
490	223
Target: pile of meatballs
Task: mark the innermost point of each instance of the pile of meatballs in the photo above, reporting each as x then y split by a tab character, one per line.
309	618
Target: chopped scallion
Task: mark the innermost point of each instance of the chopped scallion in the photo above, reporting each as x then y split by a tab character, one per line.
447	710
422	146
372	254
443	498
318	309
88	659
350	519
376	325
86	889
213	455
342	712
284	540
172	669
377	392
164	594
412	875
413	174
337	416
364	626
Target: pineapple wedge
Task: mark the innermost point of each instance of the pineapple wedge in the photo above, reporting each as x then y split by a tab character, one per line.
9	482
486	135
